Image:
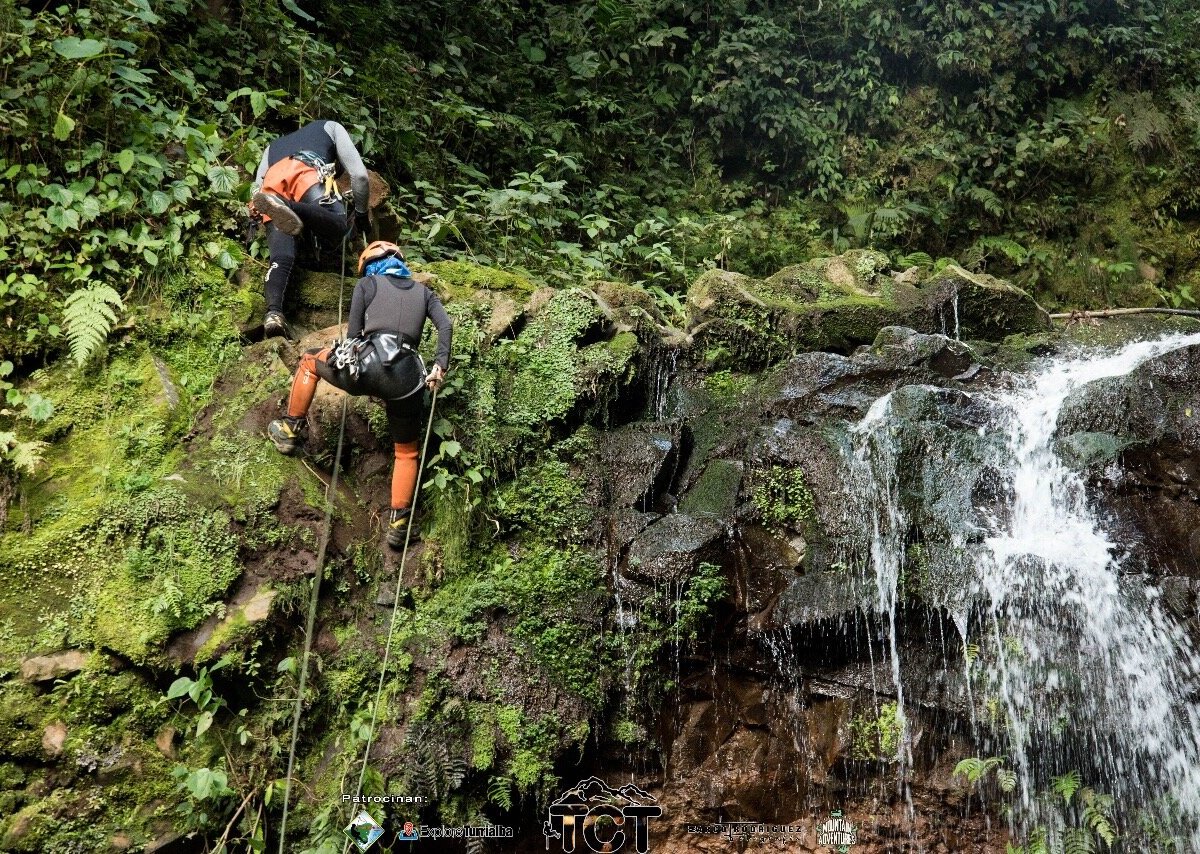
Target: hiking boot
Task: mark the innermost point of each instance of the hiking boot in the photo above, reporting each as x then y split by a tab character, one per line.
285	433
274	325
402	520
282	216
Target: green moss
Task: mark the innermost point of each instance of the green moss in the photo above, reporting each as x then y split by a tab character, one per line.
545	498
21	716
175	560
716	491
876	736
781	497
458	279
726	388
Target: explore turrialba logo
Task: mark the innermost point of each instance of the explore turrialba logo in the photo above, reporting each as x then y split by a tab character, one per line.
595	817
837	833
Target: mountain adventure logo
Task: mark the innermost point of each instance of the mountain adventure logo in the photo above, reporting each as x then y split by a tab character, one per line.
602	818
837	833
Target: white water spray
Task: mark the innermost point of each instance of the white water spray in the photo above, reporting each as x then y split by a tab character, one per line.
1082	668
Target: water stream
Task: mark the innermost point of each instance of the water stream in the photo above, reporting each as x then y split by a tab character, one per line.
1074	664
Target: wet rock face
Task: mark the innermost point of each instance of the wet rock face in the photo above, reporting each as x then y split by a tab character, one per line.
757	484
1149	422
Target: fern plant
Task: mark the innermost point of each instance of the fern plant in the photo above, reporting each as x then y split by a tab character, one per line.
22	456
88	316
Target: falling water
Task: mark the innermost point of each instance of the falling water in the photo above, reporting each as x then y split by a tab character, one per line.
1083	668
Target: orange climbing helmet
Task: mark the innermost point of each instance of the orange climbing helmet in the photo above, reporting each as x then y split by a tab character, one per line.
376	251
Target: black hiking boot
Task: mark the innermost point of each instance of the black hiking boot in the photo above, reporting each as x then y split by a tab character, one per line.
285	433
401	521
282	216
274	325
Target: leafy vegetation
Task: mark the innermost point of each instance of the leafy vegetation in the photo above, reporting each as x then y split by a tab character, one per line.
570	143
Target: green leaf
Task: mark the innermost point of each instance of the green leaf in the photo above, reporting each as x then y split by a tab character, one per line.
125	160
202	782
151	257
73	47
38	408
89	208
288	665
451	448
158	202
223	180
258	103
203	723
63	125
179	687
226	262
291	6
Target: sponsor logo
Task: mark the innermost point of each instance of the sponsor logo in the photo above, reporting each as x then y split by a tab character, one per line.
595	817
363	831
837	833
408	833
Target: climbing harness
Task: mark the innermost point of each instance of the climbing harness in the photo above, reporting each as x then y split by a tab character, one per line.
384	365
325	175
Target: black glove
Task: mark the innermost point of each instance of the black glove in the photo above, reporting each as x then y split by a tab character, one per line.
362	222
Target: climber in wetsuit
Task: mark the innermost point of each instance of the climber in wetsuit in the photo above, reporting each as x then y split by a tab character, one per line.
294	189
387	314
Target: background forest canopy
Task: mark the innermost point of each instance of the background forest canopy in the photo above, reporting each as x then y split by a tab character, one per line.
1049	142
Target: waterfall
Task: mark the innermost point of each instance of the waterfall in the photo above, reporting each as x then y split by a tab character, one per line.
1074	664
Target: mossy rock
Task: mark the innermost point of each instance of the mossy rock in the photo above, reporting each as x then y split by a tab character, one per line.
461	279
318	290
842	302
824	304
975	305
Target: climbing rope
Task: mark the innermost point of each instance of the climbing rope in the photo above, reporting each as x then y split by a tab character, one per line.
326	530
387	649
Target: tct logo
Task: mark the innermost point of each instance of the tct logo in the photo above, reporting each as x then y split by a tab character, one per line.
599	817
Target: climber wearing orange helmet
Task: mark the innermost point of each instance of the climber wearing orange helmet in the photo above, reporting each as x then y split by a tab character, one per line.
387	317
294	190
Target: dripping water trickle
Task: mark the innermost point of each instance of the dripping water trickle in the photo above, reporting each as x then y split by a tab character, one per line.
1081	665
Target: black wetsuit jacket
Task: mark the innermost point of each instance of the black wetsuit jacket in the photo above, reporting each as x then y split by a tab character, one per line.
392	304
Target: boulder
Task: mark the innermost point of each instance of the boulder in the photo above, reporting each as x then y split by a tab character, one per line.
47	668
1147	421
671	548
842	302
53	738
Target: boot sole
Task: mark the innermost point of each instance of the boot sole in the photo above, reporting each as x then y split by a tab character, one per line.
283	217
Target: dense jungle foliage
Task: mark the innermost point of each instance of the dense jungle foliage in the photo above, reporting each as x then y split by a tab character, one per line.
1047	141
641	141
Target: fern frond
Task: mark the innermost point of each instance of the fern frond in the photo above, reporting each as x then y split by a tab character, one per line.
1078	841
500	792
990	201
23	456
915	259
1008	247
1067	785
1097	815
1007	778
88	317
